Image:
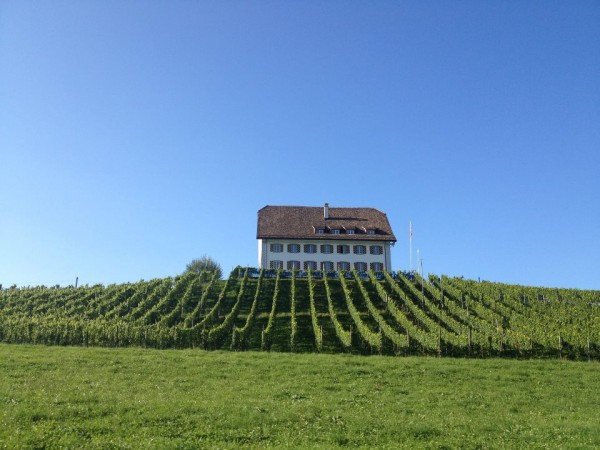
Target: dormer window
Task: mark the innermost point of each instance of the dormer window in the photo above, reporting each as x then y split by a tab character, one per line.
349	231
335	231
320	230
371	231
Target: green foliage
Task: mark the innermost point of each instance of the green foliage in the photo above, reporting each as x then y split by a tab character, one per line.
313	314
266	336
415	302
189	319
345	336
216	334
204	264
240	335
214	312
293	318
396	315
370	337
388	331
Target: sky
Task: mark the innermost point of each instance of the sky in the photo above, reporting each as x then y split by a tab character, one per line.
136	136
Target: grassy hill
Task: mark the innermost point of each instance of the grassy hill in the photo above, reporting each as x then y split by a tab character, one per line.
388	314
74	397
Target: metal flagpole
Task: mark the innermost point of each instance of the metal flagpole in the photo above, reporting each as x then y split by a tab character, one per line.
410	240
420	262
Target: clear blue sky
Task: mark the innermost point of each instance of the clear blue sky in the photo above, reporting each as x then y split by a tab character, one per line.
136	136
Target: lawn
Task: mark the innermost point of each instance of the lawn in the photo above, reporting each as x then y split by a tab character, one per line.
134	398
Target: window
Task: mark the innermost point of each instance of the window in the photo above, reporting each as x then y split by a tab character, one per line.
327	265
294	248
343	265
335	231
377	267
276	248
312	265
371	231
360	266
275	264
349	231
320	231
293	265
326	248
310	248
360	249
344	249
376	250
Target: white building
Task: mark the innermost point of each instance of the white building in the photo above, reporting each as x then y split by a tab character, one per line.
302	237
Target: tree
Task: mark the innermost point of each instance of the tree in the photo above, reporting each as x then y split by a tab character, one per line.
206	263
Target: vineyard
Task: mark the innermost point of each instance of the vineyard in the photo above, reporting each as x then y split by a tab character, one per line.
363	313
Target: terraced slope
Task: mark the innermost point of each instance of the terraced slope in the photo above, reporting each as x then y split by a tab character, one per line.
383	313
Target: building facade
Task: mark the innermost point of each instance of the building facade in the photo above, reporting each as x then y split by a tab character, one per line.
302	237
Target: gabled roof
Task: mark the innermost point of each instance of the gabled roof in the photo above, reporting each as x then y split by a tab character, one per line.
302	222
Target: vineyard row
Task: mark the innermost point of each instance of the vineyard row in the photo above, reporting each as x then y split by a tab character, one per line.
368	313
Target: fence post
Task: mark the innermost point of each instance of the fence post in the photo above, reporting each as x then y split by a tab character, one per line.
588	349
470	337
560	346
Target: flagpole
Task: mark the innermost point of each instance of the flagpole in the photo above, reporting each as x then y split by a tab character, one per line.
410	239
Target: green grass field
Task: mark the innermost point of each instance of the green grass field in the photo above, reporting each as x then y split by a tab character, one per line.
55	397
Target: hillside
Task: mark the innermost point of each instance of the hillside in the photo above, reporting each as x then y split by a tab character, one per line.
77	397
390	314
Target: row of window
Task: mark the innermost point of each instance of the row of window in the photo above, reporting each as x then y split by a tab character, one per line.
327	265
328	249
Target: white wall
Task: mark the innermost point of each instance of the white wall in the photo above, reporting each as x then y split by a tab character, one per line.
265	256
262	253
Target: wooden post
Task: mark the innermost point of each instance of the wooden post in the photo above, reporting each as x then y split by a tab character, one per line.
470	338
588	349
531	343
321	336
560	346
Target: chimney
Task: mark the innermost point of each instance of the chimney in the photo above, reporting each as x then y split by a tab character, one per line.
326	211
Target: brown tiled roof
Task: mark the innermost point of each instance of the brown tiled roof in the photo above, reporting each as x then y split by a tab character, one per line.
301	222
